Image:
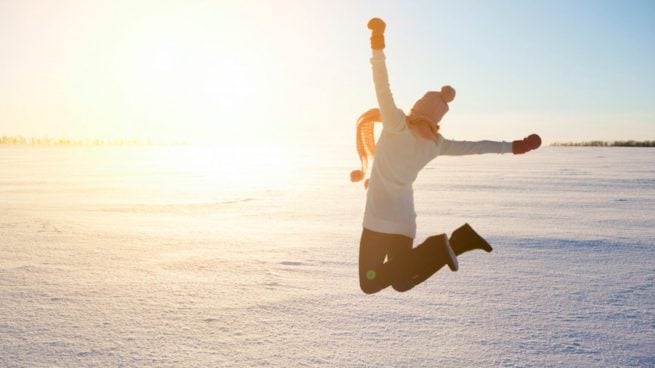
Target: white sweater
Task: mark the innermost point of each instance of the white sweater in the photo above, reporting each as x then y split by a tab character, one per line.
399	156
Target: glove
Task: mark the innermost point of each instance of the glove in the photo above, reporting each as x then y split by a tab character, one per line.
377	26
527	144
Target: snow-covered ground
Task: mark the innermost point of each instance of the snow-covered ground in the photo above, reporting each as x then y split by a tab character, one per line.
194	257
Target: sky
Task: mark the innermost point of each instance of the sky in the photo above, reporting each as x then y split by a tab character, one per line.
297	71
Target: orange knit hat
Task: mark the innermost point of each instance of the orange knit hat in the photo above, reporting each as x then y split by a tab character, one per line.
365	142
432	106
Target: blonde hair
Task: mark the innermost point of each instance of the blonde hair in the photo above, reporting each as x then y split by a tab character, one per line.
365	139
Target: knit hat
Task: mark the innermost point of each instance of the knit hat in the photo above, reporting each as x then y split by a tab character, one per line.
432	106
365	142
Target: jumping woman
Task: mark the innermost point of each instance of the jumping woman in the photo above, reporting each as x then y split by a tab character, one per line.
407	143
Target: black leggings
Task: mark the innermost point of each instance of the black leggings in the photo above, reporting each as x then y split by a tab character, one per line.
405	267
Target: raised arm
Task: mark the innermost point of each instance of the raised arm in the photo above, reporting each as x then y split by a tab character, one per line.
392	118
449	147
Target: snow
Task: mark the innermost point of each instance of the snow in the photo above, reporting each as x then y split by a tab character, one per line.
164	257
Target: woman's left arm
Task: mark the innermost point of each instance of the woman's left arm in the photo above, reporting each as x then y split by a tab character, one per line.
449	147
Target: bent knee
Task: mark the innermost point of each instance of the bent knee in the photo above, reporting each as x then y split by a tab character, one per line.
402	287
369	287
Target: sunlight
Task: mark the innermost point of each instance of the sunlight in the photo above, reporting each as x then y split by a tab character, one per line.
172	70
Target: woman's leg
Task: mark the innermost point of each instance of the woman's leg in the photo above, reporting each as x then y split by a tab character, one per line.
437	244
399	250
405	266
373	249
463	239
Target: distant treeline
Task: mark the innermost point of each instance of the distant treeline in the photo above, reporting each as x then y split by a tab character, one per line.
47	141
606	144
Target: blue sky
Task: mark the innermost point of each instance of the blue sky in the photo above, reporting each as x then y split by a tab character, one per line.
298	70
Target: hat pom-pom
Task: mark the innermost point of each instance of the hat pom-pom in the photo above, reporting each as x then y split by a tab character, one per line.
356	175
447	94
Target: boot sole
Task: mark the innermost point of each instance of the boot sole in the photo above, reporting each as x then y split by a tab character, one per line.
453	264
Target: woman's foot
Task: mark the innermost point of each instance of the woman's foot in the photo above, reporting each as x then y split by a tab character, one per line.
465	239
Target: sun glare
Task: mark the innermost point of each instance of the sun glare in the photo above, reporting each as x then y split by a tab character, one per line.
173	71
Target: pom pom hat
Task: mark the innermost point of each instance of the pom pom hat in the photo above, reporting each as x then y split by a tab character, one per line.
432	107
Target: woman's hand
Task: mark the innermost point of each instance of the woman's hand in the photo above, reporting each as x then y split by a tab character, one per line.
377	26
529	143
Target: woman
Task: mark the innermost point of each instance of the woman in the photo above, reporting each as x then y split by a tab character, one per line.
407	143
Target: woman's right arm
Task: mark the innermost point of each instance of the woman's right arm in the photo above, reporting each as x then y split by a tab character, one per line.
392	118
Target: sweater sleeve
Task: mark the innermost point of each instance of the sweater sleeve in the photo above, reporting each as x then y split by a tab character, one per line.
393	118
449	147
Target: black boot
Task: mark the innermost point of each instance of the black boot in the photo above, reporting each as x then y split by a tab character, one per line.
465	238
438	248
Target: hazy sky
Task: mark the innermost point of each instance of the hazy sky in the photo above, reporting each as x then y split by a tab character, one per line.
231	71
